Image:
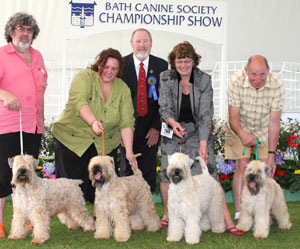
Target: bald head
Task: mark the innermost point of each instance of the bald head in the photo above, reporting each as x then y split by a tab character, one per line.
257	70
258	59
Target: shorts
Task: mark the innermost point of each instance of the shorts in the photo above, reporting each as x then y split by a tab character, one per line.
234	148
10	147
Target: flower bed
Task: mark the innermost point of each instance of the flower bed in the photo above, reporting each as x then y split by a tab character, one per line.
287	158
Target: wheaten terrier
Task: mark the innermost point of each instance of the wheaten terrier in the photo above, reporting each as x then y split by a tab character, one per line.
36	200
121	203
194	202
261	194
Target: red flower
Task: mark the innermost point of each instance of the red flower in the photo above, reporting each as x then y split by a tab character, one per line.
291	137
224	177
280	172
293	145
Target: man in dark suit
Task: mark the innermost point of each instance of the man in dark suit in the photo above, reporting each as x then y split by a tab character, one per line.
147	126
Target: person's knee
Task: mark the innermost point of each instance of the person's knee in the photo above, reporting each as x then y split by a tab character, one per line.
241	166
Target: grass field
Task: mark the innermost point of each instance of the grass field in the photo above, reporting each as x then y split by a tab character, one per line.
61	238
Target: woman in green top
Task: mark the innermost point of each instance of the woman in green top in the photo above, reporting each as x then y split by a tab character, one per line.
98	101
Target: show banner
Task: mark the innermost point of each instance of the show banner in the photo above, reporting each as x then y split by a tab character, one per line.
201	19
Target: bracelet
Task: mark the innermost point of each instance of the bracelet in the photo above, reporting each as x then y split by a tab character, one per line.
272	152
92	123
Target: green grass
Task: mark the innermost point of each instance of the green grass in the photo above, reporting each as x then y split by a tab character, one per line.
62	238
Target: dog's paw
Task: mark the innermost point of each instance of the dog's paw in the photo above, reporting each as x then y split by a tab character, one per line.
122	237
89	227
173	239
154	227
241	227
260	234
192	240
101	235
286	226
37	241
205	227
72	227
13	237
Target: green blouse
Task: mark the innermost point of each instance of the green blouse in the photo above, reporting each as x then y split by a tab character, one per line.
115	115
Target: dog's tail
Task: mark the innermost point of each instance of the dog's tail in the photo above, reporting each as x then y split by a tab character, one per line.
203	165
135	170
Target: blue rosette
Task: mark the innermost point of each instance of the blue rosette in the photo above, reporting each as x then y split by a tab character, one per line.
152	90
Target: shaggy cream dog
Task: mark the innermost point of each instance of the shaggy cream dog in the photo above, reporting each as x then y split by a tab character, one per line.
261	194
36	200
121	203
194	202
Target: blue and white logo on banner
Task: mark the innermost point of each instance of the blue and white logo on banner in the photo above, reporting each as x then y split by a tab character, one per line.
82	14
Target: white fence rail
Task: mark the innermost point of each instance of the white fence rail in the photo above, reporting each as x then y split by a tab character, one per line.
57	91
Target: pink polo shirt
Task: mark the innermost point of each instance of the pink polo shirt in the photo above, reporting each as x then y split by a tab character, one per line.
28	84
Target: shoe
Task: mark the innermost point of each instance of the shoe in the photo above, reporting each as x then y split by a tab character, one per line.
2	230
234	231
164	223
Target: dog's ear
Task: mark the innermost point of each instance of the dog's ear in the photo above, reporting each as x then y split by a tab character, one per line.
112	161
191	162
10	162
267	170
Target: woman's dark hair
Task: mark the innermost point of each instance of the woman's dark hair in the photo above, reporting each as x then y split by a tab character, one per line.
183	50
23	19
102	58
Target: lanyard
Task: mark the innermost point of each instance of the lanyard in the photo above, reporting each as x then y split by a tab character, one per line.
258	144
103	144
21	133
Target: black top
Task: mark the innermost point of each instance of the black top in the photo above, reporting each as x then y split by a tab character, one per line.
186	114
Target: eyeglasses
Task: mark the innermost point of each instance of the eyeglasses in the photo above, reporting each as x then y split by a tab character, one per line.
23	29
185	61
261	76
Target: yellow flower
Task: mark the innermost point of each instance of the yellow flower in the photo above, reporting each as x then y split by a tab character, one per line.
157	168
297	172
39	167
219	172
119	169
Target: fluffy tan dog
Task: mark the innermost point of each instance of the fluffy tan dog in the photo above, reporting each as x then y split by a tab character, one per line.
121	203
260	195
37	200
195	203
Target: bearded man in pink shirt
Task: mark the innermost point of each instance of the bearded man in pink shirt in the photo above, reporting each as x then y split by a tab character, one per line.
23	81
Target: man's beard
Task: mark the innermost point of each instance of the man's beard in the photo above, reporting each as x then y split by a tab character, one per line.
23	43
24	46
142	56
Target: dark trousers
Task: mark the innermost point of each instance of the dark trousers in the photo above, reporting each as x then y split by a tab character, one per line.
9	147
70	165
146	163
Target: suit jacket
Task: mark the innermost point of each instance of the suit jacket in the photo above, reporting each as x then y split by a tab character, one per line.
201	97
152	118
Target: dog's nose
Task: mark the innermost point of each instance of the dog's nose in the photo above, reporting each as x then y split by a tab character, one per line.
177	171
97	169
252	177
22	172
